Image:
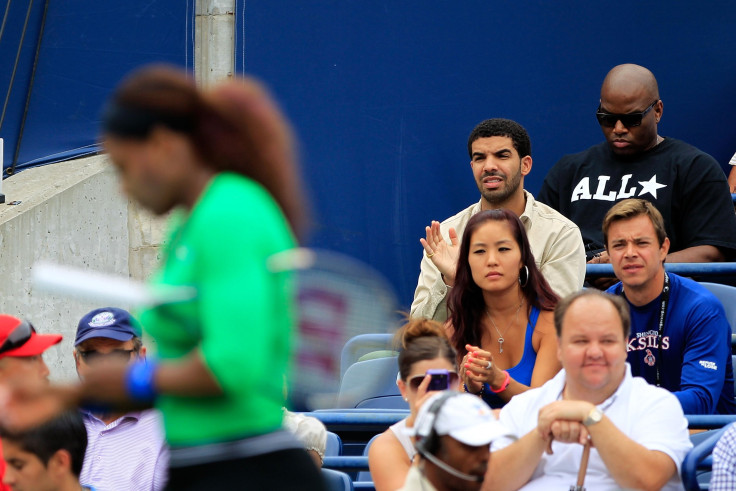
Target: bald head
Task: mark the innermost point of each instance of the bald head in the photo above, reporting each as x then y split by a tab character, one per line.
630	79
630	89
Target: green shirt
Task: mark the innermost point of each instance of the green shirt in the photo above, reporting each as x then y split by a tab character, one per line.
241	320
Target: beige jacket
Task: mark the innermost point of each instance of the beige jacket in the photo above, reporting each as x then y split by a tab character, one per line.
555	242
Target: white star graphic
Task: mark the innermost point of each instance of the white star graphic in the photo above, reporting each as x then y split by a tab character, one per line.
651	186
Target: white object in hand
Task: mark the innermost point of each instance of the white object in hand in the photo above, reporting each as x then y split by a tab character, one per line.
93	285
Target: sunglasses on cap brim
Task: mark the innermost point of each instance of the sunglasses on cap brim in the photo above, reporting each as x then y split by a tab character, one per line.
17	337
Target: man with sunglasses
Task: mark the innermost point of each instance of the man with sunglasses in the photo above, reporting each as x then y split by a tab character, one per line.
20	357
125	451
685	184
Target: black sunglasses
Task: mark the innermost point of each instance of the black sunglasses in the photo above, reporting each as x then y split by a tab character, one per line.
629	120
415	381
90	356
17	337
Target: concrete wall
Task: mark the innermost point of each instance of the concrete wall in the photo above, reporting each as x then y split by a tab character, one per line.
72	214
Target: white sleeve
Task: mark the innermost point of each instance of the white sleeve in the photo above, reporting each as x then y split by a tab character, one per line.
516	416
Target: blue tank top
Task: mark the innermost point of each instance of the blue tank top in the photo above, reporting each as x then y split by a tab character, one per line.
522	372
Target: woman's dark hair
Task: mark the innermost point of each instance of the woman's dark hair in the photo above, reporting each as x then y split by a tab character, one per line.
233	127
465	302
422	339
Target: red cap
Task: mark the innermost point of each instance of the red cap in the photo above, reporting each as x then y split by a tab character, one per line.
37	344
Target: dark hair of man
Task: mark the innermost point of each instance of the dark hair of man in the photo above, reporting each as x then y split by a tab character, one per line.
65	432
618	303
422	339
502	127
465	302
631	208
137	344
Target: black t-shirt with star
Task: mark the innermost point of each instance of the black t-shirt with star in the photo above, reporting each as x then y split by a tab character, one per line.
685	184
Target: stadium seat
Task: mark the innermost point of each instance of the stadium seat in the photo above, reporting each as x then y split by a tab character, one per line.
727	295
364	485
696	467
361	345
337	481
366	475
371	384
333	448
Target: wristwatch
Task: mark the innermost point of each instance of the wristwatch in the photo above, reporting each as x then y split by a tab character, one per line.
594	416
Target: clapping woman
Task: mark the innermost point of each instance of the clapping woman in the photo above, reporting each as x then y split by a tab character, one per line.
501	320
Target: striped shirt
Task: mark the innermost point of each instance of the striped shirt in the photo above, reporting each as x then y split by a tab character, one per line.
130	453
723	477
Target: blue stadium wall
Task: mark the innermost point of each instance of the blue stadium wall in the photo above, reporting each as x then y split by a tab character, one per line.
60	60
383	94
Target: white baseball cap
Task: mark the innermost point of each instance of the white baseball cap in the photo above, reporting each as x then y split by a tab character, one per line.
464	417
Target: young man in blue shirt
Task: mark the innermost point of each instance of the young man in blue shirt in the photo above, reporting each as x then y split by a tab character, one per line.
680	338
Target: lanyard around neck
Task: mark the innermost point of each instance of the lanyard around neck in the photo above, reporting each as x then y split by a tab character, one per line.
660	331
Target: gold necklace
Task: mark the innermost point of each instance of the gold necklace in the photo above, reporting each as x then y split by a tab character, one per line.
500	336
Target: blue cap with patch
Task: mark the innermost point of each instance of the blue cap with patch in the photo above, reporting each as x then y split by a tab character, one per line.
107	322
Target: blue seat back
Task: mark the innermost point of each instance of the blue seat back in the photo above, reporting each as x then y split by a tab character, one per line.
727	295
366	475
333	448
336	480
697	462
360	345
384	402
371	384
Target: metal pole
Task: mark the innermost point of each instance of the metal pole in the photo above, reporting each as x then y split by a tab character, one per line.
2	171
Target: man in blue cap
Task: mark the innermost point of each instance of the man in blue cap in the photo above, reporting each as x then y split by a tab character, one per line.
125	451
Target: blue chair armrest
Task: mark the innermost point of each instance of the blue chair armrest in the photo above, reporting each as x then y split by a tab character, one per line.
684	269
709	421
358	420
346	463
698	458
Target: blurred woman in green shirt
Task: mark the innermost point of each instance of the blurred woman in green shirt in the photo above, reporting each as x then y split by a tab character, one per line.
223	160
